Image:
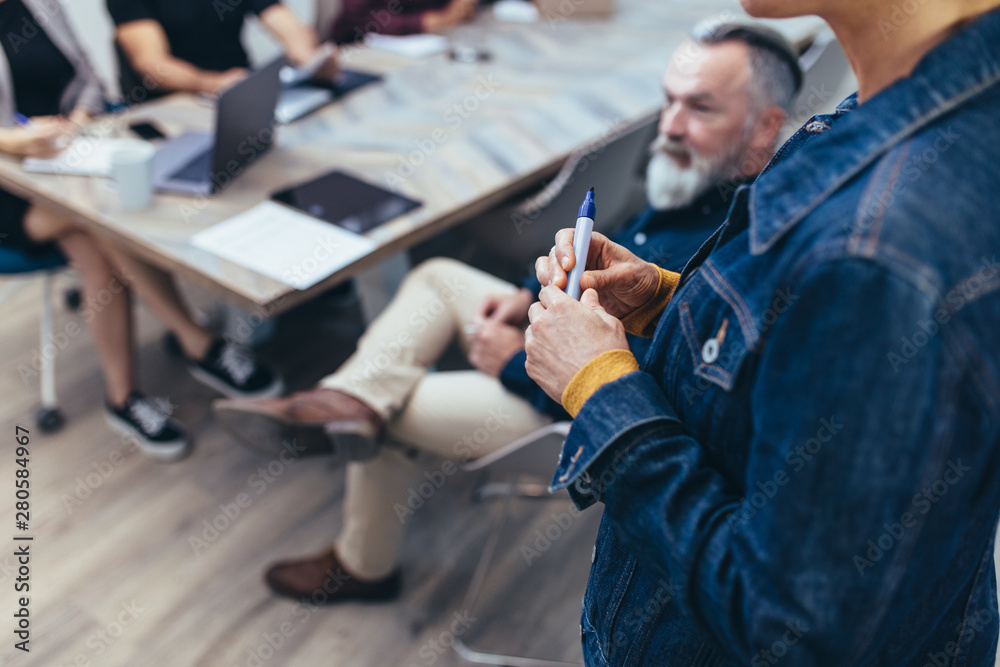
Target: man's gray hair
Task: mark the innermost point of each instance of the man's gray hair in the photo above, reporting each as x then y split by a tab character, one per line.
774	65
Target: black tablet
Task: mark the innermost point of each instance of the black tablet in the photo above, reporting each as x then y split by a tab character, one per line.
346	201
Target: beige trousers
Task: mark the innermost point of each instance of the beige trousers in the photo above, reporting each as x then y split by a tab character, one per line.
455	415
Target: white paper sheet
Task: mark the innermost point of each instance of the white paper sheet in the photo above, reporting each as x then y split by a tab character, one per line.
86	156
411	46
286	245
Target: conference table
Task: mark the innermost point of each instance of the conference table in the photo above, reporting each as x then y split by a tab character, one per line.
458	137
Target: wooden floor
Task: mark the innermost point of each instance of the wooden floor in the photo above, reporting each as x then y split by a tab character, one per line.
117	580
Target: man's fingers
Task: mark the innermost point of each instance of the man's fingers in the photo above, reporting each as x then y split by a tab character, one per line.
488	307
563	250
619	276
565	237
592	301
589	298
600	279
535	311
542	270
503	311
550	296
556	275
598	242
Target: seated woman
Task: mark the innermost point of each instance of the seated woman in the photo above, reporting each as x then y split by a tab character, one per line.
194	45
47	88
394	17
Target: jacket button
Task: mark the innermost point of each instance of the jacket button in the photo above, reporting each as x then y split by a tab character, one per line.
640	239
581	631
710	351
593	555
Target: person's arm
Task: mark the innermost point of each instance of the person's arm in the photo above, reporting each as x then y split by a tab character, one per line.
41	140
298	41
455	12
80	115
147	48
843	443
359	17
391	17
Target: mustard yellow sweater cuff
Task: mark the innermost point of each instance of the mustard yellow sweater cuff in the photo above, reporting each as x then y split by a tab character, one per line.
599	371
643	321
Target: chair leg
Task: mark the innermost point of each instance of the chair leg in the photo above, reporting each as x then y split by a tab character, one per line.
518	489
48	418
462	649
481	658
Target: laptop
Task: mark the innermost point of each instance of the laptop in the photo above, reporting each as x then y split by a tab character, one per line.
202	163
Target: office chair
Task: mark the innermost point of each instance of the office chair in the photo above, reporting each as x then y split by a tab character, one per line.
525	467
827	78
524	228
49	417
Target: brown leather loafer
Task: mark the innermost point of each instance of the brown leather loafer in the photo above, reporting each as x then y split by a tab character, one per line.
323	580
317	422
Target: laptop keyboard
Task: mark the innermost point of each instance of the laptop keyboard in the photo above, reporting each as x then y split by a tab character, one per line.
196	170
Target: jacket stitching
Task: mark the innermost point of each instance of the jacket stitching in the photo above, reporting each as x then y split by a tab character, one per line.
865	234
618	597
758	246
718	375
732	297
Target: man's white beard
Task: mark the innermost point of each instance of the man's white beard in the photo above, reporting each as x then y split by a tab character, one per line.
668	186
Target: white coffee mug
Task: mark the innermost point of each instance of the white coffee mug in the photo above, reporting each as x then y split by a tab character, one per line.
132	172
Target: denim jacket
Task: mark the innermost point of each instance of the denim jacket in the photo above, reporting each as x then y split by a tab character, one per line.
806	468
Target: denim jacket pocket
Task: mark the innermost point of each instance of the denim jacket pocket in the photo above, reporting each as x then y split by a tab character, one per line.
718	328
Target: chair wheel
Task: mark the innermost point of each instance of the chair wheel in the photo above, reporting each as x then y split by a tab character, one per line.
172	346
73	299
49	420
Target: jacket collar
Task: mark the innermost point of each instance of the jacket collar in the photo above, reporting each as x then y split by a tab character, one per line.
949	75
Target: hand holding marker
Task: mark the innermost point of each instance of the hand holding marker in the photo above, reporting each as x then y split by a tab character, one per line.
581	244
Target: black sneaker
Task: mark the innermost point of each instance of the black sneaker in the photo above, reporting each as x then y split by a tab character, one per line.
149	423
233	371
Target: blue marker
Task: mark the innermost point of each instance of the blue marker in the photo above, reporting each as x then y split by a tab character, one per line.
581	244
22	120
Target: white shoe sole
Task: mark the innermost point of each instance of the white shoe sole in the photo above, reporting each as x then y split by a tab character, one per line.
169	451
273	390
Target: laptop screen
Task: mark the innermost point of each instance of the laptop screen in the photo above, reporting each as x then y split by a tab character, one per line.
244	122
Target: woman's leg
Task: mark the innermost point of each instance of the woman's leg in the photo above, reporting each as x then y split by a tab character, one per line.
218	364
106	300
157	290
153	286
